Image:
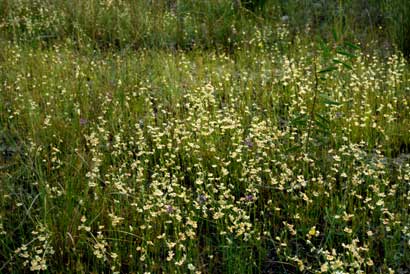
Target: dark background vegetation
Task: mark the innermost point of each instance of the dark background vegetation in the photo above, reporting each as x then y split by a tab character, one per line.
185	24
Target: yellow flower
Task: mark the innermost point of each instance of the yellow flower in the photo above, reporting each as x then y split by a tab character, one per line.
312	231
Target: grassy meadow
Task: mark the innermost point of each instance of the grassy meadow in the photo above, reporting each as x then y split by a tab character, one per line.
181	136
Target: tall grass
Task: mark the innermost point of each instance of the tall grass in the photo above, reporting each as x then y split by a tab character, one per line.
398	23
186	24
232	143
124	24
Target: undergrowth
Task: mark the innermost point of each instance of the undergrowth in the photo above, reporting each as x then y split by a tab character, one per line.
179	144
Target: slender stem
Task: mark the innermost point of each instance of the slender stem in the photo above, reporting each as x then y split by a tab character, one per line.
312	111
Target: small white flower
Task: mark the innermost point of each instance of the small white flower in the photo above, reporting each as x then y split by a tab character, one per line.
191	267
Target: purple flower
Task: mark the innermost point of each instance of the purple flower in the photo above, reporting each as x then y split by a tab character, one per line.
249	197
202	199
83	121
170	209
248	142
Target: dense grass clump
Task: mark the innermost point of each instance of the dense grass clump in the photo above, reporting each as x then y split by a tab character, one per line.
201	137
188	24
